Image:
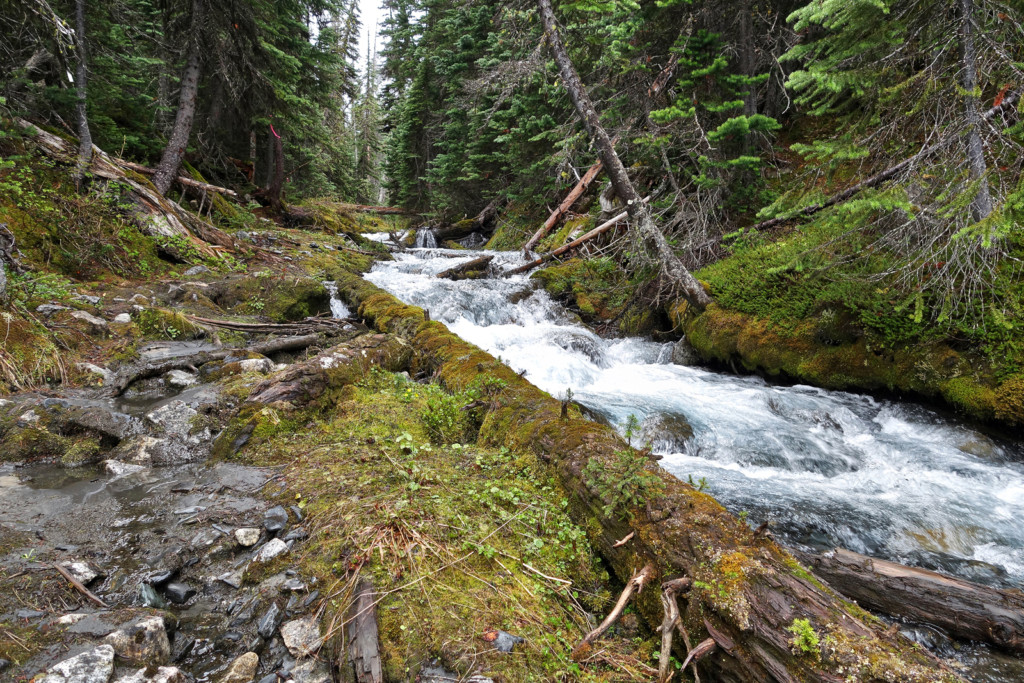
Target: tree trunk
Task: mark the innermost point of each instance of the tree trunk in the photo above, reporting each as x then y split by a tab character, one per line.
174	152
748	594
651	237
277	181
84	135
470	270
566	204
981	206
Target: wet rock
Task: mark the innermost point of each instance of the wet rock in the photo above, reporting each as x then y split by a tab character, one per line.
122	469
82	571
247	537
179	593
50	309
273	548
150	598
275	519
94	666
94	625
144	640
296	534
103	375
293	585
182	443
301	636
263	365
196	270
163	674
311	671
233	579
93	418
684	354
97	326
666	432
269	621
122	319
180	379
138	450
243	669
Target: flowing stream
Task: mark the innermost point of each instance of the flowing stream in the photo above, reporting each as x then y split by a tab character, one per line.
888	479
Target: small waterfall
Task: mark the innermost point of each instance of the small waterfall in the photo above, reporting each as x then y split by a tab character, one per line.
338	308
425	239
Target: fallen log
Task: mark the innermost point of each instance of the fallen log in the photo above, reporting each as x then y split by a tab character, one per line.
383	210
749	590
466	227
965	610
566	204
363	662
599	230
879	178
183	180
468	270
306	326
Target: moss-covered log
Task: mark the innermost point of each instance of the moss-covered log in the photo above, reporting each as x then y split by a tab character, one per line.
771	618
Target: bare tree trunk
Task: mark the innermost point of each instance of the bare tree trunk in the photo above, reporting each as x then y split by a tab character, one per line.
84	135
174	152
981	207
277	181
652	238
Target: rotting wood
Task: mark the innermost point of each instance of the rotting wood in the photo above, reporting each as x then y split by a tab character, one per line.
305	326
383	210
183	180
670	591
363	663
633	587
888	174
965	610
703	649
566	204
465	228
470	269
78	585
599	230
750	590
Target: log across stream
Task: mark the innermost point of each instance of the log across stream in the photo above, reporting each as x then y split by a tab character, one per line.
827	469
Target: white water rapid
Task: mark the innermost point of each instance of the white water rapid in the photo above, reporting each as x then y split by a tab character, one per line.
884	478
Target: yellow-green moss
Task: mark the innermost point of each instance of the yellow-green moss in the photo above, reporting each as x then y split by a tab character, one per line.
160	323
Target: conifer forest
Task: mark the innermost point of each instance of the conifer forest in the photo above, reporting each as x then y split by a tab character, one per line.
508	341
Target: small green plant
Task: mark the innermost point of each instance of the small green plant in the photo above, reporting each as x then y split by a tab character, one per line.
624	482
805	639
631	428
443	418
700	484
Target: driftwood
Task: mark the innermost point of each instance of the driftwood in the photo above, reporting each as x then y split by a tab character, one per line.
135	373
307	326
963	609
670	591
633	587
468	270
465	228
747	591
183	180
566	204
78	585
362	663
599	230
881	177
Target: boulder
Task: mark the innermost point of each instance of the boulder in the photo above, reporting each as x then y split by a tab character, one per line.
684	354
94	666
144	640
275	519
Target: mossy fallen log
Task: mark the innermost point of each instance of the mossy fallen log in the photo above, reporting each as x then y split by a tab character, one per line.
770	618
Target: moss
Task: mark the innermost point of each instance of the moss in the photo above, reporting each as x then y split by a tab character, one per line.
160	323
1009	401
279	298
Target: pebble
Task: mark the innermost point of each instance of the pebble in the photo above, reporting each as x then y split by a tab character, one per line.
247	537
301	636
270	550
122	319
94	666
275	519
196	270
243	669
269	621
179	593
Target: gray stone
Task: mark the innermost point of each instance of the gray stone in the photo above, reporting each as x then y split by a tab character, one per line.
233	579
88	298
263	365
273	548
179	593
163	674
196	270
82	571
247	537
684	354
105	376
296	534
50	309
311	671
243	669
269	621
122	469
94	666
144	640
180	379
275	519
182	443
122	319
438	674
506	642
96	325
301	636
138	450
150	598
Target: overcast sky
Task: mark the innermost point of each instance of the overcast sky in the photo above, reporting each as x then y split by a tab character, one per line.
371	16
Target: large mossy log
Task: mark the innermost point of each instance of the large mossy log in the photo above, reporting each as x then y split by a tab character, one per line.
748	594
965	610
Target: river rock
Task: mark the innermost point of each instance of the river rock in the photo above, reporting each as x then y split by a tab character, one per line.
273	548
247	537
122	319
182	443
666	432
82	572
94	666
163	674
301	636
180	379
683	353
121	469
311	671
262	365
138	450
105	376
179	593
150	598
243	669
144	640
275	519
97	326
269	621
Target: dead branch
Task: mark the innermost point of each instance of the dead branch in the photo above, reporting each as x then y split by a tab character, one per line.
669	592
78	585
624	540
183	180
698	653
633	586
566	204
467	270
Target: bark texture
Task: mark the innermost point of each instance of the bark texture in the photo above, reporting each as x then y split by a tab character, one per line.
747	591
652	238
566	204
981	206
362	663
81	90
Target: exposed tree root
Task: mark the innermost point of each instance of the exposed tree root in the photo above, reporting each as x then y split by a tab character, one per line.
635	584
